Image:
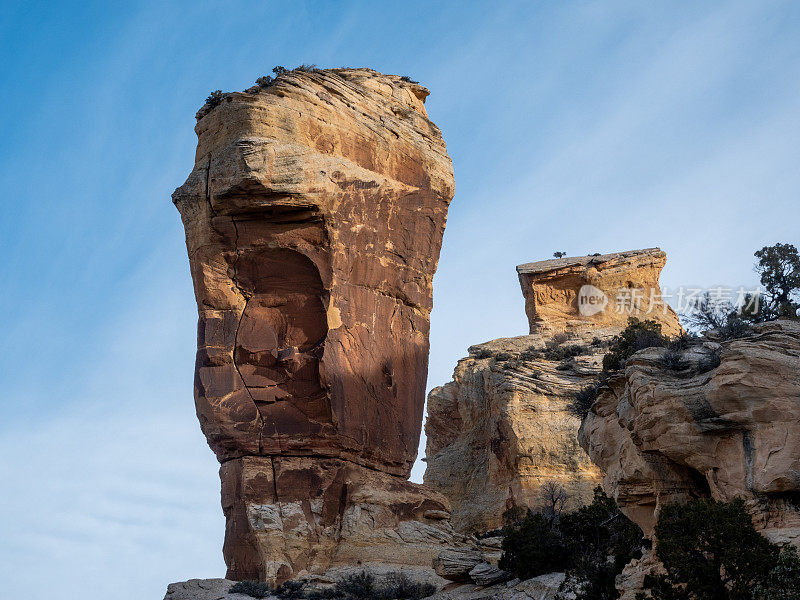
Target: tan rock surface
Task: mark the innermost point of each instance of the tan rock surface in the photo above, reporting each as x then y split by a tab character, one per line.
628	282
501	429
314	217
663	436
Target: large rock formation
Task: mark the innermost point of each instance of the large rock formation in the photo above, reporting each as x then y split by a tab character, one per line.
589	293
726	424
314	218
502	428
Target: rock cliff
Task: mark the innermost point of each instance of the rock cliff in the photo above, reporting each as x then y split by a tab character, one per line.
724	424
314	217
502	428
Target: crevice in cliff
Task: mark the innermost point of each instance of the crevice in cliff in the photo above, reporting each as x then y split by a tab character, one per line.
246	297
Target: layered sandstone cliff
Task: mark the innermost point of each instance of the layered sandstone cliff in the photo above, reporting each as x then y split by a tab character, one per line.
314	218
502	428
724	424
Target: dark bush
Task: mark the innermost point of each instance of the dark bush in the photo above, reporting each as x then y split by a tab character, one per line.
291	590
581	403
554	352
279	71
594	542
710	551
533	547
638	335
215	98
359	586
783	581
530	354
264	81
256	589
600	541
734	328
673	360
400	586
408	79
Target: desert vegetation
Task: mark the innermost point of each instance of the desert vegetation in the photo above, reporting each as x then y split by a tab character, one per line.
360	585
711	551
592	544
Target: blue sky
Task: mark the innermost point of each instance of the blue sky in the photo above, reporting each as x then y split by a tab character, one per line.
577	126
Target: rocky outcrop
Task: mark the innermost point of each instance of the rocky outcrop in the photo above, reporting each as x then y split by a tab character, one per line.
544	587
726	423
595	292
502	429
314	217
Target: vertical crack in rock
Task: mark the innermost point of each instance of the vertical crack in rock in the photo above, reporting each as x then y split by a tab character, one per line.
313	264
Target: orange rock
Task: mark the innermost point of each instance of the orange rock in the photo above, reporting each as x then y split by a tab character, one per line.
314	218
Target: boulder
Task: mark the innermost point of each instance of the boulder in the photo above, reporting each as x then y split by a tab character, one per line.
487	574
456	564
314	217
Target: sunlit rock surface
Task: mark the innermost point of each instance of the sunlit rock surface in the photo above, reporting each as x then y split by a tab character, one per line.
314	218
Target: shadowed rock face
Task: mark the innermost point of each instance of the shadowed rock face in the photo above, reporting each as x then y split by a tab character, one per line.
314	218
502	428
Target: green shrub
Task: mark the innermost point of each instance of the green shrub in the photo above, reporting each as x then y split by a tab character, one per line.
563	352
673	360
600	541
594	542
532	547
783	581
710	551
581	403
264	81
408	79
215	98
401	586
638	335
291	590
362	586
734	328
255	589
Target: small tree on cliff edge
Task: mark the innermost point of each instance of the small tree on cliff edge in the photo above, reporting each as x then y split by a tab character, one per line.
779	268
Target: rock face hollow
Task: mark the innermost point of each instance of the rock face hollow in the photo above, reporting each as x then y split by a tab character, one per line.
314	218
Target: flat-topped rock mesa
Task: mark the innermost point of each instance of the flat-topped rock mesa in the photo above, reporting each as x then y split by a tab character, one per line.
314	218
574	294
502	428
725	425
